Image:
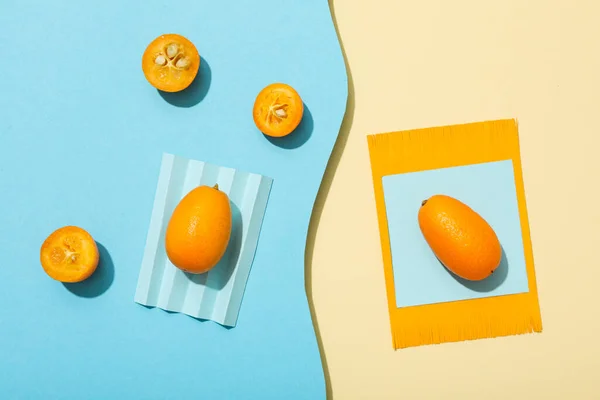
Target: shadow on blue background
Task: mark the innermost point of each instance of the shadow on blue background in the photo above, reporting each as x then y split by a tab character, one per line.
100	280
300	136
194	93
490	283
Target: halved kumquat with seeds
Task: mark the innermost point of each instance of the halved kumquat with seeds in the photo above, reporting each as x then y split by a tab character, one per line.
278	110
69	254
171	62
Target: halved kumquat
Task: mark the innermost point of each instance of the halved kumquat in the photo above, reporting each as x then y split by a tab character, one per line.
278	110
170	63
69	254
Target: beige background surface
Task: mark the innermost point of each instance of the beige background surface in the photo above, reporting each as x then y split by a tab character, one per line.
436	62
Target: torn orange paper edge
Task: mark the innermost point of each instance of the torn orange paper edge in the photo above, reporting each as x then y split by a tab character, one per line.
441	147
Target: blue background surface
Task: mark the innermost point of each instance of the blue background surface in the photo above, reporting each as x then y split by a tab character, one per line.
487	188
81	139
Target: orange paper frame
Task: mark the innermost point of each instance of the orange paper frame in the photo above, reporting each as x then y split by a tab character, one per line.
443	147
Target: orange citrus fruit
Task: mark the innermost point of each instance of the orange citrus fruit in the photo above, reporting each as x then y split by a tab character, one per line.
171	62
198	231
278	110
69	254
460	238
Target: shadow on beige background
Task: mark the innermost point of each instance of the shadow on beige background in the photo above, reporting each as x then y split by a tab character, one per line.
332	167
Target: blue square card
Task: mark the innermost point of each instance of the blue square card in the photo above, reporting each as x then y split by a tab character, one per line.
488	188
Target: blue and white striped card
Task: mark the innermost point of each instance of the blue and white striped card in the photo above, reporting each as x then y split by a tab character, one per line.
216	295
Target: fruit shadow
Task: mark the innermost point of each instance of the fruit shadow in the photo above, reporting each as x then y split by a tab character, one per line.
299	136
101	279
490	283
194	93
222	272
